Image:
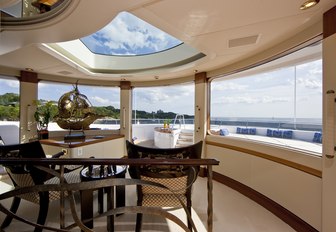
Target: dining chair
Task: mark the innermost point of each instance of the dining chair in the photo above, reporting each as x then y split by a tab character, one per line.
178	179
23	175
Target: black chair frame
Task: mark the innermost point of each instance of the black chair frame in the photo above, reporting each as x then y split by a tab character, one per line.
162	171
27	150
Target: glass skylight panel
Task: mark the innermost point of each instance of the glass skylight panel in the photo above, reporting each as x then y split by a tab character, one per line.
127	35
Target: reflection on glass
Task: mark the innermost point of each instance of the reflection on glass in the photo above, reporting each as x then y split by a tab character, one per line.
9	110
278	102
27	8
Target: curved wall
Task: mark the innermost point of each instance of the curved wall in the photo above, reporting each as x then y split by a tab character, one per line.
295	187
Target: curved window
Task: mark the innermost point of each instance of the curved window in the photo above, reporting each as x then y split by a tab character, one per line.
105	100
27	8
161	114
127	35
9	110
279	102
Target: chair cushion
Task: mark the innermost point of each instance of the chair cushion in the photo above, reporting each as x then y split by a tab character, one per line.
24	180
178	185
70	177
177	178
163	200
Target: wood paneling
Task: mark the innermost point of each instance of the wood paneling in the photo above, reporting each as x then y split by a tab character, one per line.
125	85
329	22
30	77
200	77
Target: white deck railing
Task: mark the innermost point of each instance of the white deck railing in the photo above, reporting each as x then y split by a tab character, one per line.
302	140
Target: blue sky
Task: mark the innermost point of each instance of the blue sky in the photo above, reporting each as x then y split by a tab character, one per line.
129	35
268	94
271	94
178	98
9	86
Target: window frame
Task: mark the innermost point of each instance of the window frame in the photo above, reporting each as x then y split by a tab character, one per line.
80	85
257	65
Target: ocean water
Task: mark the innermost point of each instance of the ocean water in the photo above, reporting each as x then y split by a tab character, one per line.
310	124
264	119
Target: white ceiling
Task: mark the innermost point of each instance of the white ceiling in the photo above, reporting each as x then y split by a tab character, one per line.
225	31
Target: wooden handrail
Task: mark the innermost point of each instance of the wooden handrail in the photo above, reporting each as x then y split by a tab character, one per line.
121	161
112	161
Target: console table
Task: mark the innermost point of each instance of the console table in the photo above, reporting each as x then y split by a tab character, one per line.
99	146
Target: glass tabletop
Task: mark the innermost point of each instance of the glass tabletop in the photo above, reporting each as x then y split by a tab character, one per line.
96	172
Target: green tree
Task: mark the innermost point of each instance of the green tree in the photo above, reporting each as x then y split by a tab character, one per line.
45	112
9	99
9	113
9	110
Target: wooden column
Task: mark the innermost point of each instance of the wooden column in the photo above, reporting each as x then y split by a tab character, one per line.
126	109
329	84
200	123
28	93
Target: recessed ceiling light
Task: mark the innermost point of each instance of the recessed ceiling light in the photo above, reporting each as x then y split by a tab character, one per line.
309	4
29	69
156	77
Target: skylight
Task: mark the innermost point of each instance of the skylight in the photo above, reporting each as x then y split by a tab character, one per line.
126	46
127	35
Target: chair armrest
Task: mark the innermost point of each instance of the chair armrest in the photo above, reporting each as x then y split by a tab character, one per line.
57	155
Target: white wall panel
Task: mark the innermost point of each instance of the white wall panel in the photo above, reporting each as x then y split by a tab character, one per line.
295	190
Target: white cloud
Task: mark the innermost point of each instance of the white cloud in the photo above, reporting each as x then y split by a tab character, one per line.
310	83
9	86
165	94
10	83
130	35
228	86
268	99
250	100
100	100
177	99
